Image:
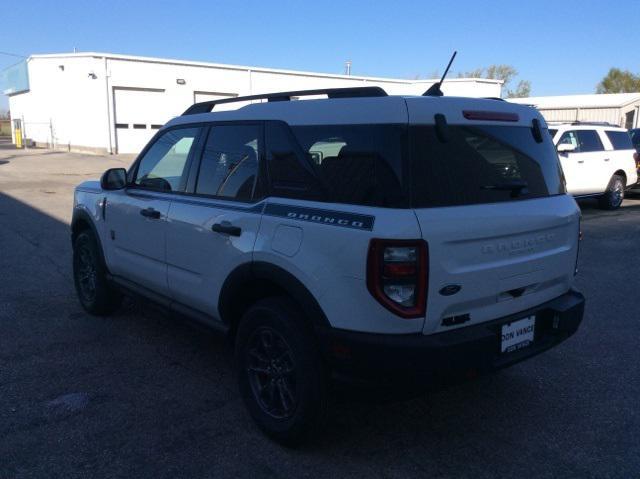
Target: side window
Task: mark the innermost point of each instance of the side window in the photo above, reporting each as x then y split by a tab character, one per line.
290	173
570	138
163	165
229	166
589	141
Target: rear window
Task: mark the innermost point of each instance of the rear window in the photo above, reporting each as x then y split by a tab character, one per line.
481	164
397	167
620	140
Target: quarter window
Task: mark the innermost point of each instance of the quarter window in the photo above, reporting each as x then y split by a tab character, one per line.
163	166
356	164
229	166
290	172
620	140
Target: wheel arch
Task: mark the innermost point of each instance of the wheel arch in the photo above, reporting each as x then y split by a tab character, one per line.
82	221
251	282
621	173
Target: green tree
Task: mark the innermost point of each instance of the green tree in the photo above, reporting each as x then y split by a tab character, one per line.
619	81
506	73
523	90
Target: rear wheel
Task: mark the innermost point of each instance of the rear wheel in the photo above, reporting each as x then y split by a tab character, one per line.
95	293
280	373
613	197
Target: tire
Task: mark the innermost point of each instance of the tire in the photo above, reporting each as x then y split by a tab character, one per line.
613	197
280	373
95	293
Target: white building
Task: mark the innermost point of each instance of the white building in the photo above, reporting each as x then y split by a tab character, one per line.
616	108
106	103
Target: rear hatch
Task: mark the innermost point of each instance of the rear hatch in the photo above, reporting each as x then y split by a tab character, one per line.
488	195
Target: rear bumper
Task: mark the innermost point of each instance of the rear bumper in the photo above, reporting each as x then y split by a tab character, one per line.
464	351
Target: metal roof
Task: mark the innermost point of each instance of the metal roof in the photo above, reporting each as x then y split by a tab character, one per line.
116	56
603	100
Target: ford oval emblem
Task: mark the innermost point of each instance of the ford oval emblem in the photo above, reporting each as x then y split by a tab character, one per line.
450	289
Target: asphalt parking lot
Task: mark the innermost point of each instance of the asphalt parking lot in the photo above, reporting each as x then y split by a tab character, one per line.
141	394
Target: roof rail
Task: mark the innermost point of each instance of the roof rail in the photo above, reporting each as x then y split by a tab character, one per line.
595	123
367	91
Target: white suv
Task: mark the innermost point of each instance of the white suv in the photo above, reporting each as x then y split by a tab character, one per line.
597	160
362	236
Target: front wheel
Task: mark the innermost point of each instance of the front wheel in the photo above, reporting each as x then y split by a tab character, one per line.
613	197
95	293
280	373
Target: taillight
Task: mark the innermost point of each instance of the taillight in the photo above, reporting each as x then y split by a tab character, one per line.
636	157
397	275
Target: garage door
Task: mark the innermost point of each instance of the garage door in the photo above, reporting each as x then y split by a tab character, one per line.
139	113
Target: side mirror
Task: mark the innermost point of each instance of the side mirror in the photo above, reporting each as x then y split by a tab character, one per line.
114	179
565	148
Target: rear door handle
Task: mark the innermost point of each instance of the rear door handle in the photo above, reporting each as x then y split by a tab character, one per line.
226	228
606	159
580	161
150	213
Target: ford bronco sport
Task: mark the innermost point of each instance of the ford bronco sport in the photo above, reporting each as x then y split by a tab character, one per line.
362	235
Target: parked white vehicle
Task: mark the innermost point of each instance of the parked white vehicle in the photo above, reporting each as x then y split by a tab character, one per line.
362	235
597	160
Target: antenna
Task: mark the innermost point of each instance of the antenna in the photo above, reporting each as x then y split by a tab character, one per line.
434	90
347	67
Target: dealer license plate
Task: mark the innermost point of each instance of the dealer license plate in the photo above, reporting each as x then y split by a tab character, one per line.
518	334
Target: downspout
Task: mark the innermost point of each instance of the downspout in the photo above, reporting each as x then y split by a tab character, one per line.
106	85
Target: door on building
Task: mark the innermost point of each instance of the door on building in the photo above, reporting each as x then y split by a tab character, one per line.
629	119
138	114
136	217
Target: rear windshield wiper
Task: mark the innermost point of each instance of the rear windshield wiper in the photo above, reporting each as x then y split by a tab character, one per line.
517	188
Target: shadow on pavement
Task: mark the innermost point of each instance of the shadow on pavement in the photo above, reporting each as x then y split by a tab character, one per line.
141	394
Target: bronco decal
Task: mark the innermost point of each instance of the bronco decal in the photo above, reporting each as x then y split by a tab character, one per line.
320	216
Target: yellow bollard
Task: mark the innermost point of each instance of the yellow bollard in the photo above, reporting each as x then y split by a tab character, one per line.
17	131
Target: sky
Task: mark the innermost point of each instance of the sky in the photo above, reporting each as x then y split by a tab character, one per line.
561	47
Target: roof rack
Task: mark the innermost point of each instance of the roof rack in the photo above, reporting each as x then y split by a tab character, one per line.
596	123
357	92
